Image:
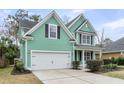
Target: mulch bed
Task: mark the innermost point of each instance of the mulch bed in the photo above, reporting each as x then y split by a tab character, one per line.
17	72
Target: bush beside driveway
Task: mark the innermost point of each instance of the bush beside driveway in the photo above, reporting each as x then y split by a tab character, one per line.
7	78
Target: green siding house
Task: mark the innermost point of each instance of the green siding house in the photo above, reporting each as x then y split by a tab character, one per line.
51	44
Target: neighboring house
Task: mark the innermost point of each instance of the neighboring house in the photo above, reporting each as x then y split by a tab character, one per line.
115	49
50	44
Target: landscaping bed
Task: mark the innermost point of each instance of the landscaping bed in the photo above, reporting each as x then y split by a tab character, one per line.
107	67
7	78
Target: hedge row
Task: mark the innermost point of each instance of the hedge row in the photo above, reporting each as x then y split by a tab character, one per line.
119	61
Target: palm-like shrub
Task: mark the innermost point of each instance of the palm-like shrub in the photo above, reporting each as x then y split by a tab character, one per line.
8	51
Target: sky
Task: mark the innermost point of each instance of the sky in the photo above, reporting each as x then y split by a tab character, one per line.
111	20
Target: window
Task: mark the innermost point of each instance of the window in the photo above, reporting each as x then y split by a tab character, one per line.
87	55
52	31
86	39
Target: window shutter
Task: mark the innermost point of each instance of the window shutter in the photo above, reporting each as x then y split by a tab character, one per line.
91	55
46	30
91	40
80	38
58	32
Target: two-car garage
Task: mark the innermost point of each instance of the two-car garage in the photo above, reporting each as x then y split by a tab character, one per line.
50	60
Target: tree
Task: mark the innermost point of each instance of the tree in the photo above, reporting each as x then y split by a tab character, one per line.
107	41
12	22
35	18
66	19
8	51
100	43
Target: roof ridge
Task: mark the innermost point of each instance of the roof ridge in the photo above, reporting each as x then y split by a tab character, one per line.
69	23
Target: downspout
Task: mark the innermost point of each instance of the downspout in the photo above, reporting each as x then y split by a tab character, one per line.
25	53
73	53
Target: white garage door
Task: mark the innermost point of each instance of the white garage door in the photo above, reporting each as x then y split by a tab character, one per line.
50	60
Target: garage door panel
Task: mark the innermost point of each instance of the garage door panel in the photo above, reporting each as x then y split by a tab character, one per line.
52	60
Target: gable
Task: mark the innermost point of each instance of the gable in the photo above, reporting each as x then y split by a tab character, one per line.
58	19
87	28
77	24
40	42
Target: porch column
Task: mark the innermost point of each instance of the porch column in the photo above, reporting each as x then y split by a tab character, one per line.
94	55
77	56
100	54
83	59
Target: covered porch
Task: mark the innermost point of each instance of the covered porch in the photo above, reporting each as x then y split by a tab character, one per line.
83	53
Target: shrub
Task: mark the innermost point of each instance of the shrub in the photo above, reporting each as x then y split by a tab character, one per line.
110	66
75	64
19	66
109	61
120	61
94	65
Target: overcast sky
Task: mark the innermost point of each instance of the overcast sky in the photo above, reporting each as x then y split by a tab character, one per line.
111	20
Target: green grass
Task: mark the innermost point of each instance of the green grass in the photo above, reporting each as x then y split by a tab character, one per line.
117	74
7	78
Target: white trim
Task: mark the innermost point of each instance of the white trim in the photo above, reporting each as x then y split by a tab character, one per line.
74	21
94	55
53	13
113	51
81	25
82	32
80	16
86	56
26	53
87	21
64	27
50	51
83	61
28	38
47	51
82	43
92	26
38	24
49	31
87	49
31	58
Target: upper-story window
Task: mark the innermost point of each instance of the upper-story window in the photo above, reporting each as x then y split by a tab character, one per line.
86	39
52	31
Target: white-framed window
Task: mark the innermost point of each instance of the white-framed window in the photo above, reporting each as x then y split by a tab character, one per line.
52	31
87	55
86	39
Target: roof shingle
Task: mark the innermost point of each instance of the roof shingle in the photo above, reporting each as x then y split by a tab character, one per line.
115	46
27	23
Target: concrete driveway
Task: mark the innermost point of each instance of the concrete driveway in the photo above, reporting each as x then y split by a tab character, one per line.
69	76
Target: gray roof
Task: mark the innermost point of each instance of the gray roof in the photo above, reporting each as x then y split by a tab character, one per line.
115	46
69	23
27	23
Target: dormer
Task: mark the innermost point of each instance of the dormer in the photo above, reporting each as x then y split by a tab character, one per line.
83	31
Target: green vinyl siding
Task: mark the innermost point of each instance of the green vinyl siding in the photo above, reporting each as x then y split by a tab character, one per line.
40	42
87	28
76	24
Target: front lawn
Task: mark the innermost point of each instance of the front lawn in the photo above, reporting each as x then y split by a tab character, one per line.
117	74
7	78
